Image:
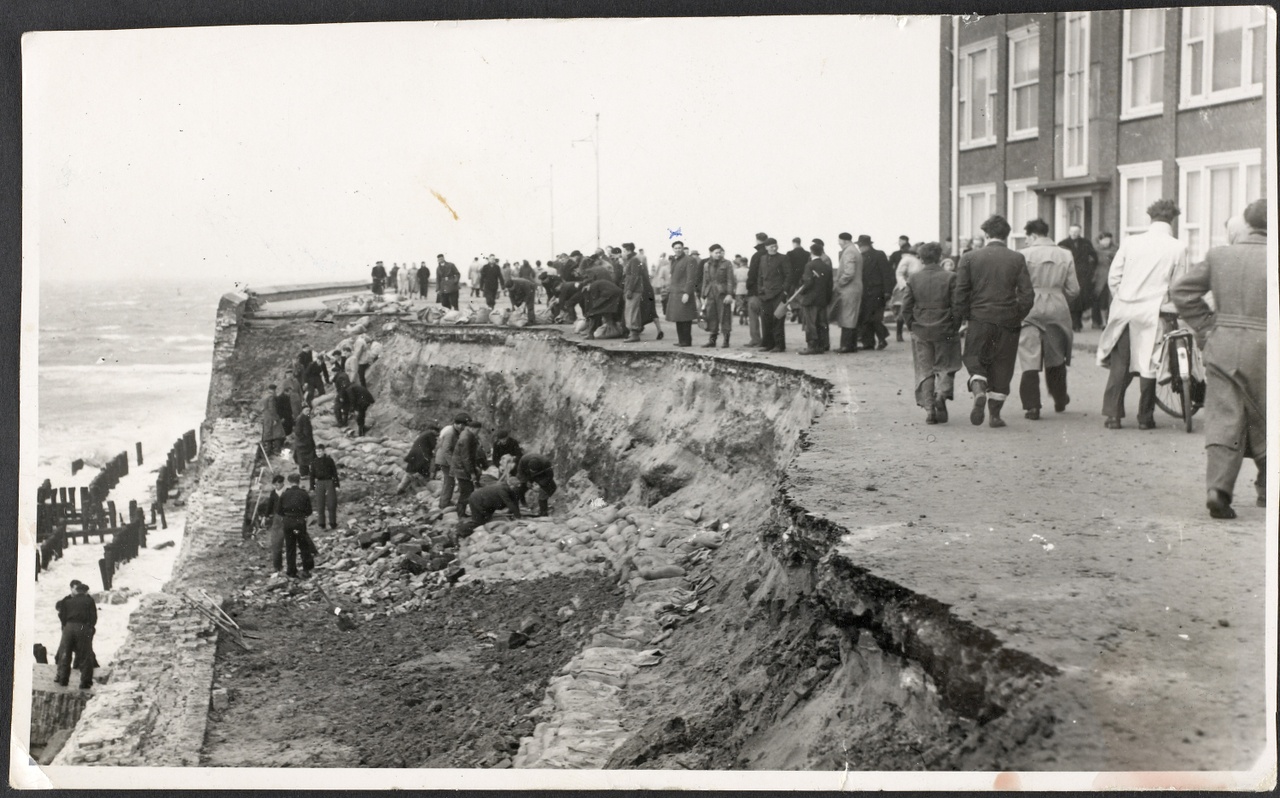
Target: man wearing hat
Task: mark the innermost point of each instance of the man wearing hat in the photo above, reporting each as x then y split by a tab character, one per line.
466	463
847	294
444	456
753	291
304	441
448	279
877	286
686	280
718	285
772	291
797	257
379	277
324	484
79	616
295	508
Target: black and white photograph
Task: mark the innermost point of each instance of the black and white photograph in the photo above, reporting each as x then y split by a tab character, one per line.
816	402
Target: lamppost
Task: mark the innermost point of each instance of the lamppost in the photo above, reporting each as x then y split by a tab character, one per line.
595	143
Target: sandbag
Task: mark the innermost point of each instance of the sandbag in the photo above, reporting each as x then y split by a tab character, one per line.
661	572
580	326
480	315
504	317
608	330
518	320
707	540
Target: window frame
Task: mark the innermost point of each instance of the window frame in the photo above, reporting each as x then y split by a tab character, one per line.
1241	160
1209	96
1030	32
966	103
965	192
1083	168
1132	171
1012	187
1127	111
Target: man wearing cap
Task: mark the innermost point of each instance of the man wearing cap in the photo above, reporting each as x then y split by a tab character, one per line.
466	462
847	294
718	284
753	291
448	279
324	484
444	456
61	608
686	280
772	291
813	296
79	615
637	292
1235	357
295	508
797	259
877	286
993	294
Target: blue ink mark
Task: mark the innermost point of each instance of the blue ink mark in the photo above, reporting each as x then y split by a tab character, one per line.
676	233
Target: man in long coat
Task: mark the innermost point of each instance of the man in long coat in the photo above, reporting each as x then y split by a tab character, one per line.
424	280
1235	356
447	280
813	296
878	280
771	289
993	294
718	285
378	276
682	307
490	281
601	302
1086	261
1141	272
304	441
272	428
1045	341
847	295
637	292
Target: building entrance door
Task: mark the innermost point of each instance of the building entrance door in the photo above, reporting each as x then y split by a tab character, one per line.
1074	209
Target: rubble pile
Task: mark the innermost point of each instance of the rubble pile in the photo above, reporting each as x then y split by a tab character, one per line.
367	303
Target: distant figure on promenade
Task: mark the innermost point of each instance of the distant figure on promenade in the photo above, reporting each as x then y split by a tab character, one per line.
1086	262
813	296
424	282
929	312
473	277
771	288
447	283
661	280
846	298
1141	272
1046	337
526	272
755	325
718	283
410	281
797	259
304	441
638	295
490	281
1101	292
325	484
379	274
904	263
272	428
994	295
740	272
877	288
418	463
79	615
360	400
393	279
295	508
1235	356
686	280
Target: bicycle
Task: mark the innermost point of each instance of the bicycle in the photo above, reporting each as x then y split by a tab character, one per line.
1180	380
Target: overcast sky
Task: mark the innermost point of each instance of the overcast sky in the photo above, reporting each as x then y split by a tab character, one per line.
286	153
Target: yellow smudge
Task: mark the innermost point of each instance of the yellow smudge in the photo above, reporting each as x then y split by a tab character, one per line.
445	203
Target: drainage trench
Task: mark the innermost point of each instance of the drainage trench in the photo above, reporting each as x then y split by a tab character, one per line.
766	647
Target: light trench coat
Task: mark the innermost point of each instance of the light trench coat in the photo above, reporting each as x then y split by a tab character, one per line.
1045	341
846	299
1141	272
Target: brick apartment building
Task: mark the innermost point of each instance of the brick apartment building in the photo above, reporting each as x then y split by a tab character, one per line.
1087	117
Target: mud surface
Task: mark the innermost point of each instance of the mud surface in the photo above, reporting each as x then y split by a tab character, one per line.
435	688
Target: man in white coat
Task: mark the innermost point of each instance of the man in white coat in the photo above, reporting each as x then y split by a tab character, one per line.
1141	272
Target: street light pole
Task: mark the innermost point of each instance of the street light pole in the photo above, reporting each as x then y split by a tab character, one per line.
553	210
597	141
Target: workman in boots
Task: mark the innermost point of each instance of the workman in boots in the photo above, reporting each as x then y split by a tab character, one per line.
538	469
295	508
523	293
486	501
419	461
341	395
361	399
79	614
62	621
505	445
468	460
269	517
324	484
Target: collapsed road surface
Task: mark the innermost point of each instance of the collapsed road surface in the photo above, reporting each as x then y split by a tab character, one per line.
878	595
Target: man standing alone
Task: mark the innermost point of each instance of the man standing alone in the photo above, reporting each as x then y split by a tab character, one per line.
1235	357
1086	261
295	508
993	294
79	615
1141	272
324	484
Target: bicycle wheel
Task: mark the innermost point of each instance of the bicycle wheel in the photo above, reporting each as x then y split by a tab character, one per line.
1169	394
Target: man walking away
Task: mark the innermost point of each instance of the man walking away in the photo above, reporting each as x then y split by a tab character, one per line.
877	287
1045	340
538	469
847	294
754	322
467	462
930	316
1086	261
993	294
79	614
718	285
419	461
1235	358
361	400
813	296
1101	293
447	282
907	264
325	484
771	289
1141	272
797	259
295	508
485	502
444	456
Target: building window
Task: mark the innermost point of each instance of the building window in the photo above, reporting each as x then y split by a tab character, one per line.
1024	83
977	94
1023	206
1140	185
1143	81
1224	53
977	203
1213	188
1075	161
